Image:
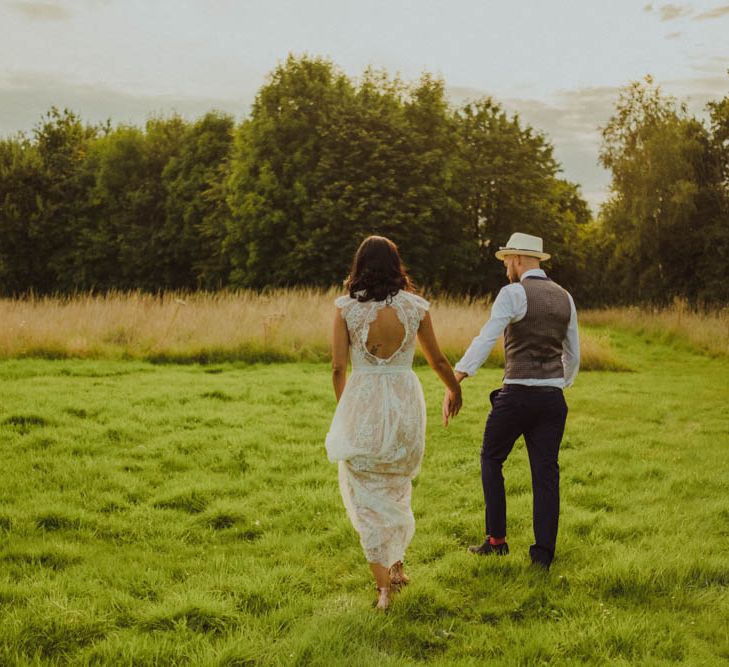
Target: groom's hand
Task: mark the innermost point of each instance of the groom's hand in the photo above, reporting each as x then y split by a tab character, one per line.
456	401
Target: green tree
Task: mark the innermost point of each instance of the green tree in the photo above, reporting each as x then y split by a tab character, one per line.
286	197
137	246
195	206
46	184
383	168
508	182
323	162
435	231
276	195
665	179
21	179
716	234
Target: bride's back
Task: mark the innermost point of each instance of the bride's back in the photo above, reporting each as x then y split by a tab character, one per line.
386	334
383	332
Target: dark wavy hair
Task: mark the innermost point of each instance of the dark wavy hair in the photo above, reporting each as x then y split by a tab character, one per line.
377	271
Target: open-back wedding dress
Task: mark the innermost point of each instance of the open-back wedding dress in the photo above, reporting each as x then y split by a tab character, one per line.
378	431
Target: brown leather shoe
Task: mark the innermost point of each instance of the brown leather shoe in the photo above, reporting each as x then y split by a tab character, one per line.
488	549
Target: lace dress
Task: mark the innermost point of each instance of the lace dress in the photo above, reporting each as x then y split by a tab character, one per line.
378	431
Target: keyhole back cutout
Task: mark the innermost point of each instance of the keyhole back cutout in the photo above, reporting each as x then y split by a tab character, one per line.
386	334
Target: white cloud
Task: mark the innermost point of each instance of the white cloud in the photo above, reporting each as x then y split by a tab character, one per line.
716	13
26	96
669	12
715	65
41	11
672	12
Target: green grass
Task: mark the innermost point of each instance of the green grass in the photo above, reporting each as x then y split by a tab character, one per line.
188	515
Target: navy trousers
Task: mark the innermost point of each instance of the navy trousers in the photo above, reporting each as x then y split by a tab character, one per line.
539	414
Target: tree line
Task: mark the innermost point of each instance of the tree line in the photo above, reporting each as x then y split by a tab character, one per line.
284	197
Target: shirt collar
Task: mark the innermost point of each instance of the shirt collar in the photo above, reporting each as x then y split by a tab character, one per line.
539	273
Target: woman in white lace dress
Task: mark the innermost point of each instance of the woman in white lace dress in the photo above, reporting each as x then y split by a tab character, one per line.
378	431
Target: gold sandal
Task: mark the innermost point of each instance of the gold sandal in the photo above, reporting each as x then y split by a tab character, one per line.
398	578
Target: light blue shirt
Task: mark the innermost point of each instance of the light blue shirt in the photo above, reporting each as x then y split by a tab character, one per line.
510	306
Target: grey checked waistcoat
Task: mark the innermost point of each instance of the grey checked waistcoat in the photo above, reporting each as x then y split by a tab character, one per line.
533	345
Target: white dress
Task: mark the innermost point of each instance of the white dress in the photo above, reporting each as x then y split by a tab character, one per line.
378	431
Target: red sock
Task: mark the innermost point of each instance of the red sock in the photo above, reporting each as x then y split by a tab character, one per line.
497	540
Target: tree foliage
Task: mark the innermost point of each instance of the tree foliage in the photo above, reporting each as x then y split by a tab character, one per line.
667	200
322	160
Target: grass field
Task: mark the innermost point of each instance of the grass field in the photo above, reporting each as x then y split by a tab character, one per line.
186	514
703	331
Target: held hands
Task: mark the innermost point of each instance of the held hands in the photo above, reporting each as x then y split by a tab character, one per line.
452	402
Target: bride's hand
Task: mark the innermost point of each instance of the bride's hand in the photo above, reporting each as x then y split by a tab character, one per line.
452	403
446	408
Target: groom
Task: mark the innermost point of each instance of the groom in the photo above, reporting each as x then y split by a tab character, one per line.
542	353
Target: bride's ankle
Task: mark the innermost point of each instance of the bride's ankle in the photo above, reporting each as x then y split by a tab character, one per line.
383	597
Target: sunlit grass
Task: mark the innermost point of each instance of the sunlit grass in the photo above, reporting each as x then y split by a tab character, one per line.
281	325
705	331
188	515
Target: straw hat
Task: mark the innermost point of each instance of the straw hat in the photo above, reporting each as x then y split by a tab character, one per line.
523	244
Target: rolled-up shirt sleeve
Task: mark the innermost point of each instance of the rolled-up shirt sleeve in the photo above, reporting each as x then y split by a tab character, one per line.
505	309
571	348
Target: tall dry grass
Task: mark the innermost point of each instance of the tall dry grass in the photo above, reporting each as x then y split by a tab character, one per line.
704	331
280	325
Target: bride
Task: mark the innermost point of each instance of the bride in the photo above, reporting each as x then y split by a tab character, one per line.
378	431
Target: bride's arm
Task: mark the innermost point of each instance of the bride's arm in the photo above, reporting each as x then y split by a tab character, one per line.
438	362
340	354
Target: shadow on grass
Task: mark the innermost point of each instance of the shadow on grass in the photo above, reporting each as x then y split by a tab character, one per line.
53	559
198	618
192	502
25	423
55	637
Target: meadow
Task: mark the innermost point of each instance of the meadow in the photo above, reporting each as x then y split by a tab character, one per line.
276	325
186	514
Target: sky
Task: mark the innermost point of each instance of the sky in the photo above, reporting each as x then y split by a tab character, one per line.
559	64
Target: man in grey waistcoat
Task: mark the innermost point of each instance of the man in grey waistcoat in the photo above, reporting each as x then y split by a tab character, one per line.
542	356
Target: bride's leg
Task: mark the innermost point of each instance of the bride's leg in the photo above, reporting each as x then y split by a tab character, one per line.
382	578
